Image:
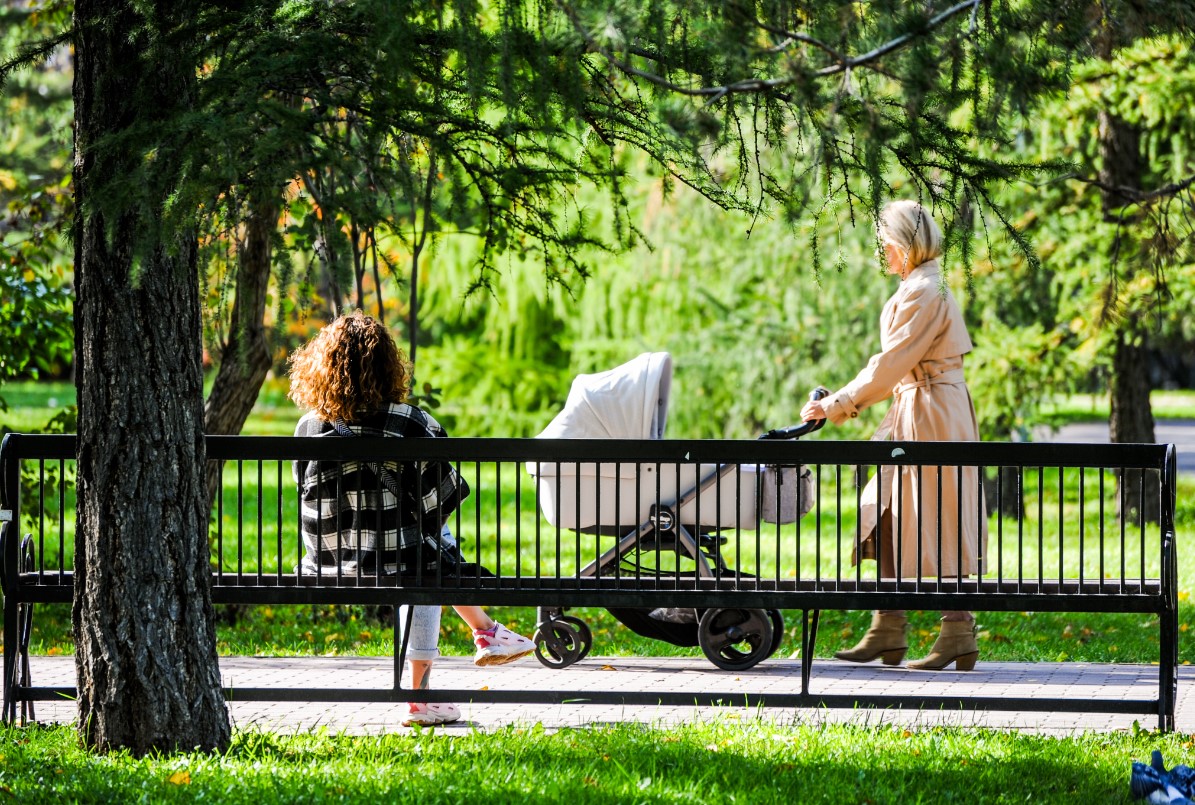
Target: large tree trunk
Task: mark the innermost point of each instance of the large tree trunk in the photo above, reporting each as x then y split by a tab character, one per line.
245	359
144	630
1132	422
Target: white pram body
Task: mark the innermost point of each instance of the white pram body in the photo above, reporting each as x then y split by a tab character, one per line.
631	402
654	508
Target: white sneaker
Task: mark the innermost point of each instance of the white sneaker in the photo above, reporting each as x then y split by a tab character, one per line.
426	714
500	645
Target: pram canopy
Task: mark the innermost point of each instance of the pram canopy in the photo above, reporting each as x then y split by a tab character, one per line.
627	402
631	402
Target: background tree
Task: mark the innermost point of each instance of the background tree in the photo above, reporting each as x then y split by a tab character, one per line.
1124	174
1116	281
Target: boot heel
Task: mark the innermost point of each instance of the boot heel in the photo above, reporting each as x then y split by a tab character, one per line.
896	655
966	662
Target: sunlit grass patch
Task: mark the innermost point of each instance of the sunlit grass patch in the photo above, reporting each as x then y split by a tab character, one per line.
725	758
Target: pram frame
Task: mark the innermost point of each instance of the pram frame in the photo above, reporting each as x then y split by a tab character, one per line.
719	633
662	518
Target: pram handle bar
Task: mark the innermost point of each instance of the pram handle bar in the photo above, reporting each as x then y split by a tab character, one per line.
797	431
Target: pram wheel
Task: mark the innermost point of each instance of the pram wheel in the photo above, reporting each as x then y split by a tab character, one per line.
736	639
583	633
559	643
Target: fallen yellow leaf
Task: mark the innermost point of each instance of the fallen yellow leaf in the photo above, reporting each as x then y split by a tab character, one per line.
180	778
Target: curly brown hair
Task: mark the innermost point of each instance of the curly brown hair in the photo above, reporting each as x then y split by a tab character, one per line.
351	366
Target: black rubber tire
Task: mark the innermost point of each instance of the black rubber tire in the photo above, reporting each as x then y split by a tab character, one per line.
584	633
561	648
735	639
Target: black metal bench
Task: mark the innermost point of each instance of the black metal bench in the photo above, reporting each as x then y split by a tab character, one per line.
1077	545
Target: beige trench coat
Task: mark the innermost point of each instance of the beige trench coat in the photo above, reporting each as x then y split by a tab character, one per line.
923	340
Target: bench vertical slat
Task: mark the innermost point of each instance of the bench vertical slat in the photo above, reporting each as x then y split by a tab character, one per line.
10	482
279	554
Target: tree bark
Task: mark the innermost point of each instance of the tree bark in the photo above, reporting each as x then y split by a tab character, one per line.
1132	422
1131	419
245	359
142	614
1120	162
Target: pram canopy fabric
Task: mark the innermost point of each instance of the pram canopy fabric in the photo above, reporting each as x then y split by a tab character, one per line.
627	402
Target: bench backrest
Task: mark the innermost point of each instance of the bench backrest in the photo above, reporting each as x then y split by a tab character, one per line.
542	513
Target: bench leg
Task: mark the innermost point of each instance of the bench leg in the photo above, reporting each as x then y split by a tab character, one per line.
1168	669
808	640
11	644
18	624
22	670
402	634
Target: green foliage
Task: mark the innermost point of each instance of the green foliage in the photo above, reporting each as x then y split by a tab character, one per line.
36	331
388	131
1128	271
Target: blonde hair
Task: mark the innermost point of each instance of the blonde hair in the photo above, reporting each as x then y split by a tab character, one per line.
351	366
909	226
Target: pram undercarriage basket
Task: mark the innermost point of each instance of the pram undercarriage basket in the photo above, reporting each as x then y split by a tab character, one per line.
666	518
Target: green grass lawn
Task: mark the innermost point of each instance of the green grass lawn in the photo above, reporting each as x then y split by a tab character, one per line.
1168	404
32	404
731	758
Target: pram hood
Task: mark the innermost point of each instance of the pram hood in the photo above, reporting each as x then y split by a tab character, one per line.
627	402
631	402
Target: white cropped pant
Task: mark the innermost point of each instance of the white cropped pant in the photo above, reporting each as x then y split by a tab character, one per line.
423	644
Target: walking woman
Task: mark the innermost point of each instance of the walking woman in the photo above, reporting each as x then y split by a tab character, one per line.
915	517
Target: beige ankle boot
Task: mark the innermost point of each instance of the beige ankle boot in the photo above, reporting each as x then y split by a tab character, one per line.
955	644
885	638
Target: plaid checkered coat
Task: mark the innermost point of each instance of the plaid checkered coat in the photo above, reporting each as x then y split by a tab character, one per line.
348	515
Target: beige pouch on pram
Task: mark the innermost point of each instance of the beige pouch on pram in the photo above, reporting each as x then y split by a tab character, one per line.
786	494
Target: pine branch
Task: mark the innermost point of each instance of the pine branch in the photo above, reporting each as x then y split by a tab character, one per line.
33	54
842	63
1143	198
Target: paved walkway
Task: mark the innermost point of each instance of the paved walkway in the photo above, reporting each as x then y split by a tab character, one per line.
689	674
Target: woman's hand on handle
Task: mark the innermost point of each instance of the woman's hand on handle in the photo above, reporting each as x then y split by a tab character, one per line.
813	410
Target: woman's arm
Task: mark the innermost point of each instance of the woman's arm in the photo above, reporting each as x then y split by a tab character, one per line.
916	322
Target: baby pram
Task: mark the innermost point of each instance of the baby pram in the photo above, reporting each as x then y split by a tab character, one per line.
654	510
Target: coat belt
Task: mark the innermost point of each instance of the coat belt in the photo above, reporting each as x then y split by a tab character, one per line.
951	377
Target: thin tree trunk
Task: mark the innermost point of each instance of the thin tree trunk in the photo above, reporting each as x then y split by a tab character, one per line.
1132	421
1002	492
420	242
1120	162
245	360
142	614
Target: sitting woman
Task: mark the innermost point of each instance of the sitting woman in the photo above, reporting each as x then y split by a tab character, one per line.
386	517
